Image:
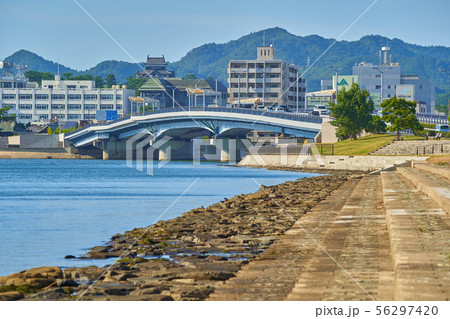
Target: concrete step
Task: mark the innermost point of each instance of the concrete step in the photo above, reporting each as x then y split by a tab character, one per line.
432	185
419	238
273	274
441	171
358	241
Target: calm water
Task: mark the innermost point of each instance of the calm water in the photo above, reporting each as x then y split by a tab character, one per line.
52	208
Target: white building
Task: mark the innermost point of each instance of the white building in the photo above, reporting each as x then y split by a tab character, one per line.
67	100
273	81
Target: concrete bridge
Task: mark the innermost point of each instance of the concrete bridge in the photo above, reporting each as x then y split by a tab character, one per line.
183	125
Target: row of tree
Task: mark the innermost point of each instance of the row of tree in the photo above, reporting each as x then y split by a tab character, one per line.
353	114
36	76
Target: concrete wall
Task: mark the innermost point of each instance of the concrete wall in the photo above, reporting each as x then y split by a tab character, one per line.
366	163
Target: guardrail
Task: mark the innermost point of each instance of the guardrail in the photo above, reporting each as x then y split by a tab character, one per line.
434	147
280	115
306	149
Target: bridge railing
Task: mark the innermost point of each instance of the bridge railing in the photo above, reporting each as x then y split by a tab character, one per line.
262	113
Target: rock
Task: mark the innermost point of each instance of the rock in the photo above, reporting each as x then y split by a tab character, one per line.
66	283
146	291
36	277
216	258
69	257
11	295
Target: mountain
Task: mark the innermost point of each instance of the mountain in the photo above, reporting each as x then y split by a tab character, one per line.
37	63
212	59
120	69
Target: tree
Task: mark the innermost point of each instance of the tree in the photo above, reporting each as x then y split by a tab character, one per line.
99	82
4	116
401	115
190	76
35	76
49	130
110	80
67	75
377	125
135	84
352	112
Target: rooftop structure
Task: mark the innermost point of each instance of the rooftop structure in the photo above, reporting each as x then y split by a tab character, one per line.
155	67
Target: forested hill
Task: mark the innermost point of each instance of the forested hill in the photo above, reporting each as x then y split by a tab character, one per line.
211	60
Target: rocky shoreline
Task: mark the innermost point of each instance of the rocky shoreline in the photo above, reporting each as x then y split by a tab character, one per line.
185	258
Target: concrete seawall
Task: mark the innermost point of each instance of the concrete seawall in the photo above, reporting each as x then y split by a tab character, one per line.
363	163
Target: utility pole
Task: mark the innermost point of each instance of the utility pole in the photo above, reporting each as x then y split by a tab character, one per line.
336	70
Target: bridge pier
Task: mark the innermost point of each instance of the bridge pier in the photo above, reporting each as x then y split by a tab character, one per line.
112	148
175	150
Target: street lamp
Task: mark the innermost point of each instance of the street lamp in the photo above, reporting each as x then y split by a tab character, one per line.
381	72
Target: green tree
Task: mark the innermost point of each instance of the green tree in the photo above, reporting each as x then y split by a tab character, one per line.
401	115
352	112
67	75
35	76
49	130
190	76
4	116
110	80
99	82
135	84
377	125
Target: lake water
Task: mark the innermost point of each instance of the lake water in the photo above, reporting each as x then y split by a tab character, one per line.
53	208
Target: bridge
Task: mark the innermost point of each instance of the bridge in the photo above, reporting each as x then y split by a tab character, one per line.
186	124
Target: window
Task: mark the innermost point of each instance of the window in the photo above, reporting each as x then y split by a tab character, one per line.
389	86
74	96
43	116
90	106
61	116
74	106
106	107
25	116
58	106
58	96
118	96
71	87
378	75
106	96
41	106
74	116
90	97
25	96
25	106
118	106
41	96
389	95
8	96
89	116
377	87
11	106
420	87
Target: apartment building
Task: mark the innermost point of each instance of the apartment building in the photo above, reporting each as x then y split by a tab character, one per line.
272	81
67	100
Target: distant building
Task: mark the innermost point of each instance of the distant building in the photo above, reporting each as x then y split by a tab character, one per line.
273	81
67	100
371	77
155	67
172	92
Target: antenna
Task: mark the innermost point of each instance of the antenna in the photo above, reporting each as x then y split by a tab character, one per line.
58	67
264	38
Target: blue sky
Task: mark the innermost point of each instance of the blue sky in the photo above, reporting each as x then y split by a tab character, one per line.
59	29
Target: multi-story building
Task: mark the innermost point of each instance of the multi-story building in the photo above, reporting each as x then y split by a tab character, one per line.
62	99
273	81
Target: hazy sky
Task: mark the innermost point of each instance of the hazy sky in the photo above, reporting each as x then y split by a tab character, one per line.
60	29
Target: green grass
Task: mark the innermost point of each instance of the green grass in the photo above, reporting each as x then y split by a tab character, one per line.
366	145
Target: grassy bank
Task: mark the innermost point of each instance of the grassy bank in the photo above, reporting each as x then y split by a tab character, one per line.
365	145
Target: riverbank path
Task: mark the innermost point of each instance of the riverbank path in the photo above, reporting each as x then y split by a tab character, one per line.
384	237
